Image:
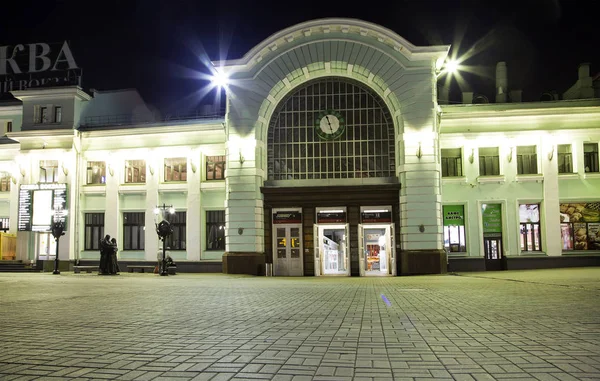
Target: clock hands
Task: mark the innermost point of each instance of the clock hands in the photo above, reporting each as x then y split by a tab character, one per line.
329	123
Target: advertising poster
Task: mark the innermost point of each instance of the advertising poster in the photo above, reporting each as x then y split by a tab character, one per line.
491	215
454	215
580	233
593	236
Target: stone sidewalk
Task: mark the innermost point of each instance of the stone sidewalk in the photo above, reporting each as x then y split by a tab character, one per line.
537	324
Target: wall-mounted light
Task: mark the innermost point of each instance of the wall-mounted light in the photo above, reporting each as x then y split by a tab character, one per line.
510	155
13	179
111	170
551	153
472	156
419	151
64	169
151	169
22	171
242	160
193	165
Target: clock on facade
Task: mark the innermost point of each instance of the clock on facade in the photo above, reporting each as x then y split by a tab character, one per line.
329	125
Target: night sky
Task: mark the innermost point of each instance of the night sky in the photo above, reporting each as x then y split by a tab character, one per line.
151	44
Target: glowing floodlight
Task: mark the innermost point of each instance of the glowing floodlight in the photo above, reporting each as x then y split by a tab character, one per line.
220	79
451	66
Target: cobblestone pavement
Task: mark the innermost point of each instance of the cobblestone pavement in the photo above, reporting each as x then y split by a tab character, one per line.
539	325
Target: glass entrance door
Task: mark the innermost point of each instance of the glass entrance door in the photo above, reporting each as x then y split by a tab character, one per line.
46	246
377	251
493	253
334	250
287	258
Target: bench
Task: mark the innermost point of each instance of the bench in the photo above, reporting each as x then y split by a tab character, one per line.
172	270
87	269
142	269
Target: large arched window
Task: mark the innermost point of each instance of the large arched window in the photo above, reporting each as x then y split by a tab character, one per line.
365	148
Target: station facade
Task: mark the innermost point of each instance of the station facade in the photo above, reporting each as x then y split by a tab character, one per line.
335	156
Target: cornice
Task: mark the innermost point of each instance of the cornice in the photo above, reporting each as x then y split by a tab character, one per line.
34	134
162	129
343	25
10	110
52	92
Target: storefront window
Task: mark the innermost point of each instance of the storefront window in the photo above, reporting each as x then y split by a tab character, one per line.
529	217
454	228
580	225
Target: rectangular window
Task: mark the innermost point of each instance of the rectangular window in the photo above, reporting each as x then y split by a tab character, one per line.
4	224
565	158
529	218
135	171
48	171
489	161
176	241
215	168
57	114
215	230
94	230
9	126
44	117
4	182
454	228
133	230
96	172
580	225
176	169
590	157
451	162
526	160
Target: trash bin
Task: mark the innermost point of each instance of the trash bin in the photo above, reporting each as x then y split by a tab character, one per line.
268	269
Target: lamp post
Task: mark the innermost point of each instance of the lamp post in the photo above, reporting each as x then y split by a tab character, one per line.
164	230
58	230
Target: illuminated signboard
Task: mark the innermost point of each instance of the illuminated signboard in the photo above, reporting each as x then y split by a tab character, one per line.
38	204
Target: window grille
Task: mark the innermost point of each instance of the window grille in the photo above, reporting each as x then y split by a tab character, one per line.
489	161
365	149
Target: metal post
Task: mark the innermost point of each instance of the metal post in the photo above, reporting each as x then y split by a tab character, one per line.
56	270
164	263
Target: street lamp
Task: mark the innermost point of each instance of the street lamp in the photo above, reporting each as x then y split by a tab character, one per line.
164	230
58	230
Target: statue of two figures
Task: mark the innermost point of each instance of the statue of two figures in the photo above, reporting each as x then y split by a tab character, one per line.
108	256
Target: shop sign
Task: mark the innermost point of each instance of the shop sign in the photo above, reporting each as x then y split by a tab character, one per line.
24	66
491	218
330	217
382	216
287	217
39	204
454	215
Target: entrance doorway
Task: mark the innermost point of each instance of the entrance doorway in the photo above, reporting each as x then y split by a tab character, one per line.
493	253
332	256
287	258
46	246
376	248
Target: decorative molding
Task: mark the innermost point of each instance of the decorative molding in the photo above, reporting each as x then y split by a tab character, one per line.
537	177
501	179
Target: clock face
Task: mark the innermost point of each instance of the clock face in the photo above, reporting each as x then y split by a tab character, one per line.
329	125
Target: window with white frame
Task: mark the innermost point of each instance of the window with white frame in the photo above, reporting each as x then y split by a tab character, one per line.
48	171
176	169
5	181
57	114
489	161
451	162
590	157
565	158
4	224
96	172
526	160
135	171
177	240
94	230
133	230
215	168
531	236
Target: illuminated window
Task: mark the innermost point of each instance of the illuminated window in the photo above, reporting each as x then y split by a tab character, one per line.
48	171
489	161
94	230
529	217
215	168
298	150
565	158
96	172
176	169
133	230
4	182
135	171
176	241
215	230
580	225
590	157
57	114
454	228
451	162
4	224
526	160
